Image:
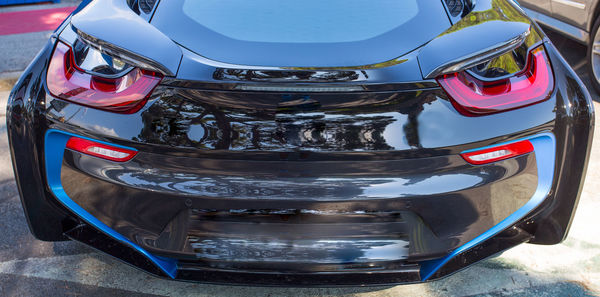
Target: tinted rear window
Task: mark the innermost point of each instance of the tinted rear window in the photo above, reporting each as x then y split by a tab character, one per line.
301	33
301	21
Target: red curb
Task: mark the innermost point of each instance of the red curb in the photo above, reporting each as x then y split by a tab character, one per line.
18	22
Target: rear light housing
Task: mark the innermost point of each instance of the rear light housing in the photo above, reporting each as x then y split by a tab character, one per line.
124	92
100	150
498	153
500	84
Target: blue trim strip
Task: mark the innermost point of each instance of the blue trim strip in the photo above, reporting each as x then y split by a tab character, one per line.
55	144
544	148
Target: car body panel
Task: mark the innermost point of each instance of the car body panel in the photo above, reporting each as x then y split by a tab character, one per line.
573	18
571	11
542	5
562	27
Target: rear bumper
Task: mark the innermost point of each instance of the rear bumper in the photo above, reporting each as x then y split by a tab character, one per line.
404	227
374	193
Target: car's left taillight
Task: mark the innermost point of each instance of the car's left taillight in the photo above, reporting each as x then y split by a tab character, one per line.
84	75
100	150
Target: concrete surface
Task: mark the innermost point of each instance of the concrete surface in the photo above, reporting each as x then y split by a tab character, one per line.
29	267
17	50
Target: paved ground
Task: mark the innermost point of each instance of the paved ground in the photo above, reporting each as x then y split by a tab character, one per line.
17	50
29	267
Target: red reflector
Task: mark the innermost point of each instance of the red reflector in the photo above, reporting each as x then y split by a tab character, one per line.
497	153
473	97
125	94
100	150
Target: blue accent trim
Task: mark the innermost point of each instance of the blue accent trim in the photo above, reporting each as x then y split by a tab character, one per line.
544	148
54	148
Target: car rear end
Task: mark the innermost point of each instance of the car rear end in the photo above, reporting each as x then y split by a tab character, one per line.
396	172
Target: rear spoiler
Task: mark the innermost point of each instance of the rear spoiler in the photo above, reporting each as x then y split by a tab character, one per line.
492	28
134	36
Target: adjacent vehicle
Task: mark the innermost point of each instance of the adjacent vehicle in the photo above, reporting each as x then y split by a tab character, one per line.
306	143
577	19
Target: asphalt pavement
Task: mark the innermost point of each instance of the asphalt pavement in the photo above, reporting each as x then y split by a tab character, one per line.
29	267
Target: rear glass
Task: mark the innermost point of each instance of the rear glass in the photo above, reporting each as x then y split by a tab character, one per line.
300	21
301	33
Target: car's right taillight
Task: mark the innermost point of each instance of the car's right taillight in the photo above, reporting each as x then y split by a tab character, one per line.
498	152
83	75
513	80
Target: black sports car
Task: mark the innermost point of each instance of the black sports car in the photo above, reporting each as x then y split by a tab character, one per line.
300	142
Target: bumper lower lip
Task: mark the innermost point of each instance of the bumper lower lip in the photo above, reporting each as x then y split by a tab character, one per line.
55	143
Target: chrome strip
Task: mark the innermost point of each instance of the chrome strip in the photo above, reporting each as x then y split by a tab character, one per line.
574	4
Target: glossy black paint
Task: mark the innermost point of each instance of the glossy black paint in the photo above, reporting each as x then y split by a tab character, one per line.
290	159
298	201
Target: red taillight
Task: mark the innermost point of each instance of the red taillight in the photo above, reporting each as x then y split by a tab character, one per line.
100	150
474	97
498	153
125	94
